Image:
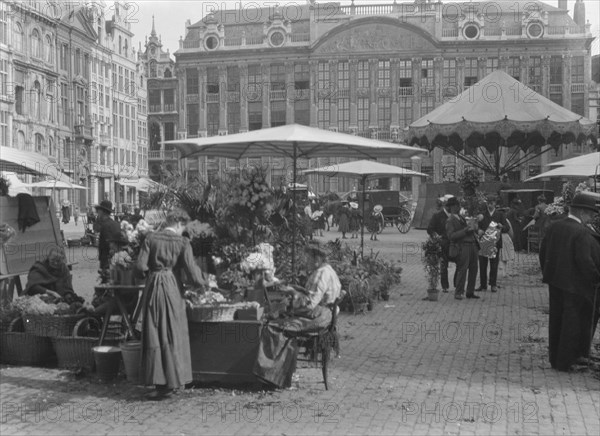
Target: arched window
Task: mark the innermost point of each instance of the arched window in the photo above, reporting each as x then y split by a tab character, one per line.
120	45
36	100
18	37
49	50
51	150
36	43
39	143
125	47
167	73
142	81
20	141
152	68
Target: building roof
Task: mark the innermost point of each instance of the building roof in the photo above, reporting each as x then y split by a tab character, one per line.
241	16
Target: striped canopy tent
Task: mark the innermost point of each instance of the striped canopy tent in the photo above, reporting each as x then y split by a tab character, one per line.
503	117
26	162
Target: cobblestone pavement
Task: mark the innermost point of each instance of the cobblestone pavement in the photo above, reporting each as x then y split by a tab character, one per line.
408	367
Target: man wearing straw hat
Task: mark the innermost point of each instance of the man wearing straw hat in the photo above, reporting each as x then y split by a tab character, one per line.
570	261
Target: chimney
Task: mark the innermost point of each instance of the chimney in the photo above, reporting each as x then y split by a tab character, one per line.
563	4
579	13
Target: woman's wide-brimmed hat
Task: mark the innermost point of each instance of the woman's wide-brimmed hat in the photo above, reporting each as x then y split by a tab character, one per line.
353	205
105	205
378	208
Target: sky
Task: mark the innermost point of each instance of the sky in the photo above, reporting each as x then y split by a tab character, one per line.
171	16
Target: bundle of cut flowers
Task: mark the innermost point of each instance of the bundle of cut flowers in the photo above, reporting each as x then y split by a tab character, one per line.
121	259
261	259
557	207
488	241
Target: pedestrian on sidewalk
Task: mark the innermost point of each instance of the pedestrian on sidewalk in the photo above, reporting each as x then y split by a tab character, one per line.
355	220
491	214
570	261
437	226
109	230
66	211
462	234
507	252
76	214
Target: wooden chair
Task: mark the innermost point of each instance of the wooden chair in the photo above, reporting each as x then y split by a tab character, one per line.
315	347
533	239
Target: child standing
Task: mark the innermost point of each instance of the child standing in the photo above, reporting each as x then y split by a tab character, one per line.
355	219
374	222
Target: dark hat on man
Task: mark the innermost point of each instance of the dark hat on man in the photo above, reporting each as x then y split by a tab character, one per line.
452	201
105	205
586	200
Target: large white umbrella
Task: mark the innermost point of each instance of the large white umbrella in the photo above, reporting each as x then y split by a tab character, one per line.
293	141
580	167
364	169
142	184
56	184
16	186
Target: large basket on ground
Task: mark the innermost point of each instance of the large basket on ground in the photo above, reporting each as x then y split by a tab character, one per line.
51	325
20	348
221	312
75	352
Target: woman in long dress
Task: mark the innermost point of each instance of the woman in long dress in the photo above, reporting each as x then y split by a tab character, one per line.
166	358
344	219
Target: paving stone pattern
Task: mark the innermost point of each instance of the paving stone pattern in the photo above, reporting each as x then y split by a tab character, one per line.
470	367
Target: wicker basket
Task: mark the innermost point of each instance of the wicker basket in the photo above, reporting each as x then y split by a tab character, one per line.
51	325
75	352
19	348
222	312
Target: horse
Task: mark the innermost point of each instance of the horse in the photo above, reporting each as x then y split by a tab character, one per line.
332	209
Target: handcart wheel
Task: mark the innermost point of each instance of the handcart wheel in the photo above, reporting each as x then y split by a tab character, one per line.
403	221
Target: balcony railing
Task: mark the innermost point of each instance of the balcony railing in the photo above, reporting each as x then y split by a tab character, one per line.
405	91
213	98
514	31
104	138
169	108
155	108
556	89
366	10
300	37
254	40
233	42
278	95
191	44
449	33
493	31
163	155
577	88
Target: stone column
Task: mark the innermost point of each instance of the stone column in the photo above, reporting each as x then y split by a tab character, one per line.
503	63
223	100
202	78
460	73
314	93
243	97
395	110
438	74
334	95
545	91
266	95
587	79
416	76
524	69
181	89
373	94
567	81
353	126
290	92
481	68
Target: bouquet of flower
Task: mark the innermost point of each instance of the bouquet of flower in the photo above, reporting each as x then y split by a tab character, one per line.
488	241
558	207
121	259
261	259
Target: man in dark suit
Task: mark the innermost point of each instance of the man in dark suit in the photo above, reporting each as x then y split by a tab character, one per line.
491	214
570	261
437	226
109	230
463	234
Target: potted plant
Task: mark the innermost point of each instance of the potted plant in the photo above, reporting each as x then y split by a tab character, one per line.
432	252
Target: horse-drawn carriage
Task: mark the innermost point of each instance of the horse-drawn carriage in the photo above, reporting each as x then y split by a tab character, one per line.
396	209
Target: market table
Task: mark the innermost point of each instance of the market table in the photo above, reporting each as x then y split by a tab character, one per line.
117	302
225	351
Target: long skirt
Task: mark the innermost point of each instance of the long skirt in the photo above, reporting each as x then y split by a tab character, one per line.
166	357
344	223
278	349
507	252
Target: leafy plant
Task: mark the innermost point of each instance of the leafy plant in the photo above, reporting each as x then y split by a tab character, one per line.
470	181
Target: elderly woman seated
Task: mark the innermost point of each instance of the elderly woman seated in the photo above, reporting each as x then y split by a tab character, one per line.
51	276
308	312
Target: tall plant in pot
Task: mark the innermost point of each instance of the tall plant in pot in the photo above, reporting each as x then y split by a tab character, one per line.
432	253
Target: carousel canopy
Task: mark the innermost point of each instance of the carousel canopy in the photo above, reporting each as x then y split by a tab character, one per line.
497	112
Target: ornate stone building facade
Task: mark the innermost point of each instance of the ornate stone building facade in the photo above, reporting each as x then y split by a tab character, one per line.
62	70
370	69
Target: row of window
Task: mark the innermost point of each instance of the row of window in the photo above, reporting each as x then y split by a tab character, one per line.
278	74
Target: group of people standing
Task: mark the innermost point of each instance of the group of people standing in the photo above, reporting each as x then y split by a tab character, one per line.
460	240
